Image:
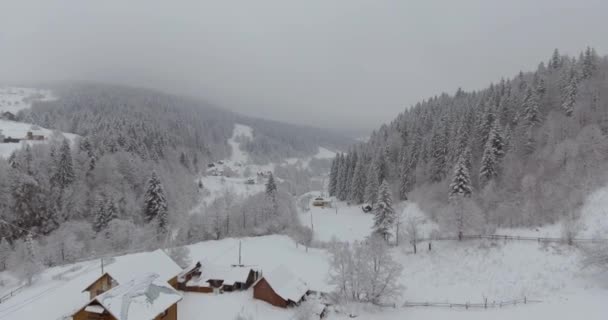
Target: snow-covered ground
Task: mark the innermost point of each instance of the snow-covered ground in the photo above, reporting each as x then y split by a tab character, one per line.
238	169
15	99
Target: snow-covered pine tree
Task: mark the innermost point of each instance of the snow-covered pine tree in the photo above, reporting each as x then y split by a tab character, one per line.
5	252
333	177
64	174
155	204
30	265
357	194
384	214
371	189
556	60
342	178
407	176
589	63
271	195
488	169
569	94
530	109
100	217
439	152
461	180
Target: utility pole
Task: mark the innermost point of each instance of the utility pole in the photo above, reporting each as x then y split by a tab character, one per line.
101	265
240	253
312	227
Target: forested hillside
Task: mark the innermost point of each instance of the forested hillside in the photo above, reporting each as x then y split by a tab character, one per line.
522	152
130	177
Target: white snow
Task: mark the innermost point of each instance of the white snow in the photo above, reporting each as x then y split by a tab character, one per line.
157	262
143	298
243	132
58	291
286	284
14	99
228	273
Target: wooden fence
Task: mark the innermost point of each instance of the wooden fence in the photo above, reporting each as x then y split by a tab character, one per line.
11	293
515	238
483	305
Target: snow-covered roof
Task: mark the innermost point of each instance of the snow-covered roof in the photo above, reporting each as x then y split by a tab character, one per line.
230	274
143	298
125	268
286	284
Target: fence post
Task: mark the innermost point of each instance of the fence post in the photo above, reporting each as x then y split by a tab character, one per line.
485	303
466	305
525	300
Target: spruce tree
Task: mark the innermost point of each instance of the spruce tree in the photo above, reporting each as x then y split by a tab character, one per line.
461	180
439	153
155	203
333	177
569	94
406	176
488	169
357	194
384	214
371	189
530	109
271	195
5	252
64	174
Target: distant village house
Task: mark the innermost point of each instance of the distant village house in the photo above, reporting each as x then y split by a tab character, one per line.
207	278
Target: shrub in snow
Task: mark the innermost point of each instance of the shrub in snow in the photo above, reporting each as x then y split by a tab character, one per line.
364	271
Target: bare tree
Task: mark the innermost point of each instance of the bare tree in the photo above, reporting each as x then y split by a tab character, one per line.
412	230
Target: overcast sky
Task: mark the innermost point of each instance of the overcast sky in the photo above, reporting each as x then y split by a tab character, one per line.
343	64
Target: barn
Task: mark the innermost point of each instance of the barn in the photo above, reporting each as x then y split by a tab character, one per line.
281	288
131	266
206	277
146	297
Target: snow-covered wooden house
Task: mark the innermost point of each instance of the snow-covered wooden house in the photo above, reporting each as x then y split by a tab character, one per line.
130	266
147	297
281	288
321	202
206	277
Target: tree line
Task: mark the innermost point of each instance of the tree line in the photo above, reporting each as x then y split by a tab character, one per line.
522	152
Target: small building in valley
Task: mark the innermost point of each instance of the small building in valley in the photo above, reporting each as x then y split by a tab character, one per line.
6	115
128	267
146	297
281	288
206	278
32	136
321	202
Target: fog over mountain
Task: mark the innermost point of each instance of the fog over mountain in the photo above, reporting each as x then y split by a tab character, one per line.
334	64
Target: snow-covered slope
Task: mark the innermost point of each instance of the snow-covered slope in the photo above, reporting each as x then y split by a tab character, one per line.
15	99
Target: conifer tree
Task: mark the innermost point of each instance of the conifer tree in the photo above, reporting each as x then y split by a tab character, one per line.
155	203
407	176
556	60
488	169
569	94
357	188
371	189
5	252
461	180
64	174
271	195
384	214
439	154
333	177
589	63
530	109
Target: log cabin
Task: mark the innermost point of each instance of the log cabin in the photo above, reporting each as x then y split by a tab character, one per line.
130	266
281	288
146	297
205	277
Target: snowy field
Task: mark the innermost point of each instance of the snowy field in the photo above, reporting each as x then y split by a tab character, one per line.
242	169
14	99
